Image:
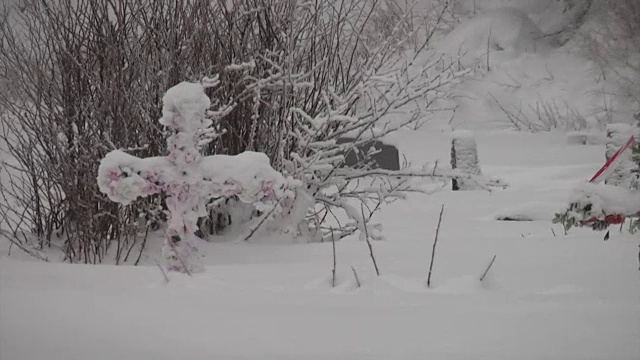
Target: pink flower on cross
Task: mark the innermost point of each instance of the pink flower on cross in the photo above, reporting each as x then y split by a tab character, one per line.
233	189
114	174
151	188
267	188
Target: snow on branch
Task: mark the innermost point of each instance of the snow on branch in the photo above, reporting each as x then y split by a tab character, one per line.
383	100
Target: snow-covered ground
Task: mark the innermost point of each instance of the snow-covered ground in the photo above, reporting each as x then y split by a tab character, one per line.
547	296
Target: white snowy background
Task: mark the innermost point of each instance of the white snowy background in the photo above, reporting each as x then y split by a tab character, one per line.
549	295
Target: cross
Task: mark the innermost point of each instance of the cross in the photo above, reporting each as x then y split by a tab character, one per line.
188	179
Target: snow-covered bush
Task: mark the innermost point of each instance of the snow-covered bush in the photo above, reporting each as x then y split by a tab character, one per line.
293	78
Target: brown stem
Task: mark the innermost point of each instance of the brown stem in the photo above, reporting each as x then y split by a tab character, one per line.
356	276
433	251
333	272
366	233
488	267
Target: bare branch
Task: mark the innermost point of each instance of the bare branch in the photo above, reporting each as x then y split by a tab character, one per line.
433	250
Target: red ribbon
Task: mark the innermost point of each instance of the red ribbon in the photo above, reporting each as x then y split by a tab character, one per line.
612	218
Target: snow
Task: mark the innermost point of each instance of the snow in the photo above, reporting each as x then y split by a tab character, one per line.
607	199
527	72
547	296
591	137
264	311
533	211
620	130
483	5
187	100
465	136
220	169
504	30
130	188
617	136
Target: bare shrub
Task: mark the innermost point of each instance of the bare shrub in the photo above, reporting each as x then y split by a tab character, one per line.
409	22
614	43
79	89
543	115
87	77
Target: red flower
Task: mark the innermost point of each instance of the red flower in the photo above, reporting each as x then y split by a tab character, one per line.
614	219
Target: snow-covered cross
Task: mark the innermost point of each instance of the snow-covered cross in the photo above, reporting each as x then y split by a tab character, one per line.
188	179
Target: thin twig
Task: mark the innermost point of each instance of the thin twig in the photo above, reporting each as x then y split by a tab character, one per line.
34	252
489	48
366	232
184	265
164	273
144	242
433	251
488	267
264	218
333	272
356	275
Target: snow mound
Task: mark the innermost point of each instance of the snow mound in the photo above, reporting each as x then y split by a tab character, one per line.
606	199
592	137
464	135
506	30
467	284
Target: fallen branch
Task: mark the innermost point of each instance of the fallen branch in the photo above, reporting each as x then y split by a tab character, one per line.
433	251
488	267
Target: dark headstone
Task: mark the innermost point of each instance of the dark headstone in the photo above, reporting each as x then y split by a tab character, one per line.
385	156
